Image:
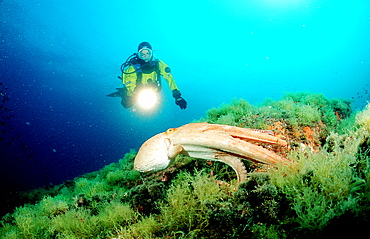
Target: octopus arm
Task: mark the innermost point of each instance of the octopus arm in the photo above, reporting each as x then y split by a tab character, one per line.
235	146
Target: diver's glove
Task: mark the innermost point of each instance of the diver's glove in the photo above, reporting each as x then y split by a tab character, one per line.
181	102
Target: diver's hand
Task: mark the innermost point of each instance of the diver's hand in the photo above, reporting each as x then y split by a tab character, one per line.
181	102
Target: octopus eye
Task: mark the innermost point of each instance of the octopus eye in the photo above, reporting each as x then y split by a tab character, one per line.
170	130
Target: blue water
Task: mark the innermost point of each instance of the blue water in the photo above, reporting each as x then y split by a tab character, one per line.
59	60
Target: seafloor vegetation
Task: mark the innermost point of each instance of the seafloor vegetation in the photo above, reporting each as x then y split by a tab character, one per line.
327	191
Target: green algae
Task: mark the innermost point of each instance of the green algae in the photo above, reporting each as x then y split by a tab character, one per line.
328	187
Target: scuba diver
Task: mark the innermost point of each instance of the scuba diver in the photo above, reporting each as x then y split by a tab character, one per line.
141	70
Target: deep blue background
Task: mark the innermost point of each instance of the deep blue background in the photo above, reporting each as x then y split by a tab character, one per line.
59	60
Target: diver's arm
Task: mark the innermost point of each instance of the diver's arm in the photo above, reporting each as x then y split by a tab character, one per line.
167	75
129	80
165	71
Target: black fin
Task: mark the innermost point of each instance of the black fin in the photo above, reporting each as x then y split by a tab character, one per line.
120	93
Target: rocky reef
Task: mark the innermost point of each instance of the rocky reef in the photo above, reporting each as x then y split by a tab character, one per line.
325	193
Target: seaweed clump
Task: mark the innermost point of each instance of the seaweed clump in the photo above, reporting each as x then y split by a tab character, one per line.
325	192
302	118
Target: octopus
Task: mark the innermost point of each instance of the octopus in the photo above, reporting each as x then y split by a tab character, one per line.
215	142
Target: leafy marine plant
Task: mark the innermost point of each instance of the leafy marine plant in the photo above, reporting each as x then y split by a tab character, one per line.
236	113
332	110
325	185
296	115
185	208
88	207
27	222
146	227
363	118
121	173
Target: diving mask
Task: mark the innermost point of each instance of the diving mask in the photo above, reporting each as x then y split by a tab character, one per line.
145	54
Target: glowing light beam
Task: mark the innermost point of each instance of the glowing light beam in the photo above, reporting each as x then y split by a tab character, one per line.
147	99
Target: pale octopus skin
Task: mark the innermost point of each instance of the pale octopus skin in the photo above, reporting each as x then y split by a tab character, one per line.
214	142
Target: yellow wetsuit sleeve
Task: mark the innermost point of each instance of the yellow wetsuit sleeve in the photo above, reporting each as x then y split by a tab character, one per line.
129	80
167	75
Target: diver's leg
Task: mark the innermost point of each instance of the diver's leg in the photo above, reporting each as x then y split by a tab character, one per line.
127	101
